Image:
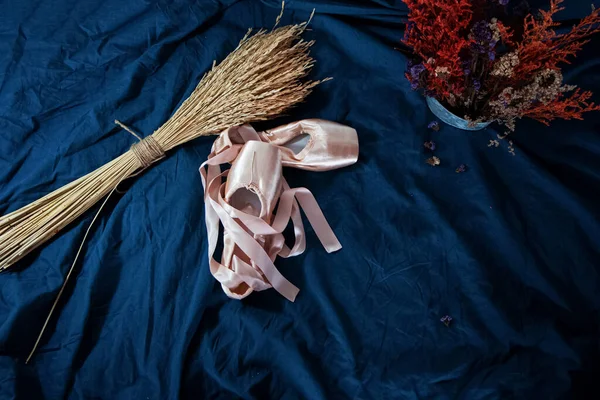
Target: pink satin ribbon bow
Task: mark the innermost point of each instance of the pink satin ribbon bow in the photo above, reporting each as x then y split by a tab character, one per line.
260	240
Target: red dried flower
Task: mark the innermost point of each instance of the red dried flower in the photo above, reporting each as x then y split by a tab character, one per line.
564	107
542	48
438	33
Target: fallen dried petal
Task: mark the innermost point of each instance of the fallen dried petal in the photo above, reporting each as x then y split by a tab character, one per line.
433	161
434	125
446	320
430	145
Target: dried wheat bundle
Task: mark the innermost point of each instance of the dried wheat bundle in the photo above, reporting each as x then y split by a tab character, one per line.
260	79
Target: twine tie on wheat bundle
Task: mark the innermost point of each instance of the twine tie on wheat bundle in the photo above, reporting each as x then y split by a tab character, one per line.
146	150
263	77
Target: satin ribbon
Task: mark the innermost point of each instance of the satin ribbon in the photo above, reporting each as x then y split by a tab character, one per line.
260	241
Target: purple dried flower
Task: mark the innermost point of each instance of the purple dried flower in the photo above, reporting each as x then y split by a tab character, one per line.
434	125
476	85
433	161
481	32
429	145
492	55
503	2
466	66
461	168
485	36
416	70
446	320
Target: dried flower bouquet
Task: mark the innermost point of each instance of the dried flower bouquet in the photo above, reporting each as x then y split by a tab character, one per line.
489	61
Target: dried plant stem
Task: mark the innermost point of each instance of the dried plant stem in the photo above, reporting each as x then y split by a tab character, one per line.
66	281
260	79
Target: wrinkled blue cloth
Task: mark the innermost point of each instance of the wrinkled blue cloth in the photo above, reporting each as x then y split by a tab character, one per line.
510	249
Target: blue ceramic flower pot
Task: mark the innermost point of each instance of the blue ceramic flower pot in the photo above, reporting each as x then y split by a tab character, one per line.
446	116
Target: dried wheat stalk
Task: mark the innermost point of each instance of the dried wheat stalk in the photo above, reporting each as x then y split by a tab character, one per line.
260	79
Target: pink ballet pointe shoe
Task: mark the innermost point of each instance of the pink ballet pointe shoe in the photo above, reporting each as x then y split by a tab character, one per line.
314	144
310	144
253	187
245	206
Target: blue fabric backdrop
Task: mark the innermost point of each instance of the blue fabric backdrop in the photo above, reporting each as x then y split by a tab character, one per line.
510	249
